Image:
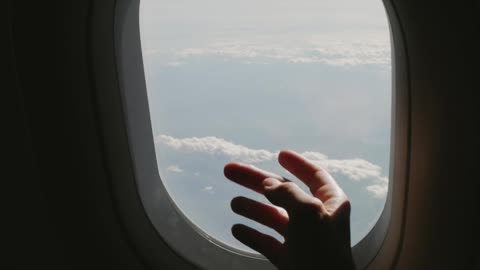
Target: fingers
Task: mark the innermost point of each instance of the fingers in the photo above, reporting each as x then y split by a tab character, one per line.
270	247
247	176
289	196
270	216
319	181
321	184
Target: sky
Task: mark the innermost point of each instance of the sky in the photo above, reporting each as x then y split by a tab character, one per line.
241	80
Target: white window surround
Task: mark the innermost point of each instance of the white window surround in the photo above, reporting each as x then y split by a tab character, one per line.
122	106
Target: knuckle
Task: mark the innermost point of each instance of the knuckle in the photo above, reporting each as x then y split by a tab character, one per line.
286	188
283	194
345	208
342	212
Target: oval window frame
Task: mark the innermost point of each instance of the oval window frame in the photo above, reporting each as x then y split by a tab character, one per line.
124	120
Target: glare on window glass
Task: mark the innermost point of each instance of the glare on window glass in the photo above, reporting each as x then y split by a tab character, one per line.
241	80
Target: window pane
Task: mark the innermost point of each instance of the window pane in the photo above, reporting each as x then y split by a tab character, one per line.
241	80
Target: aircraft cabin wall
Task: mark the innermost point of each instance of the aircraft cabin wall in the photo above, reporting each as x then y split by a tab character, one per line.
62	216
440	232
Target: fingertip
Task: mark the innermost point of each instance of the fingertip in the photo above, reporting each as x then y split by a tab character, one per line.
234	230
286	155
237	203
237	229
229	169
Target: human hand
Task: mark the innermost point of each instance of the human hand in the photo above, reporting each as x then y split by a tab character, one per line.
316	227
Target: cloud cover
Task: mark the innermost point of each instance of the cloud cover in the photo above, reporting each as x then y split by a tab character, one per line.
217	147
354	169
334	54
344	50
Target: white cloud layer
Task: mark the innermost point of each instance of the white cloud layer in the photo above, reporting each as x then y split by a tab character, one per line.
335	50
217	147
355	169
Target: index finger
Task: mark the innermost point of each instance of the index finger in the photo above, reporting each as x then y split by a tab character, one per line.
248	176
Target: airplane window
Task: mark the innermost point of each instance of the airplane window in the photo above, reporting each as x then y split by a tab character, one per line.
241	80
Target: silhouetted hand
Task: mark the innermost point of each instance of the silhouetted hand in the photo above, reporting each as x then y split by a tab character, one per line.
316	227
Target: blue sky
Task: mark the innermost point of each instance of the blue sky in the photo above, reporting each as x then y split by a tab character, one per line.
241	80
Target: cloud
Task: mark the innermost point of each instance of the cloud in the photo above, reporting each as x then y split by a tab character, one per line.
217	147
340	51
354	169
208	189
174	169
175	63
345	55
379	190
